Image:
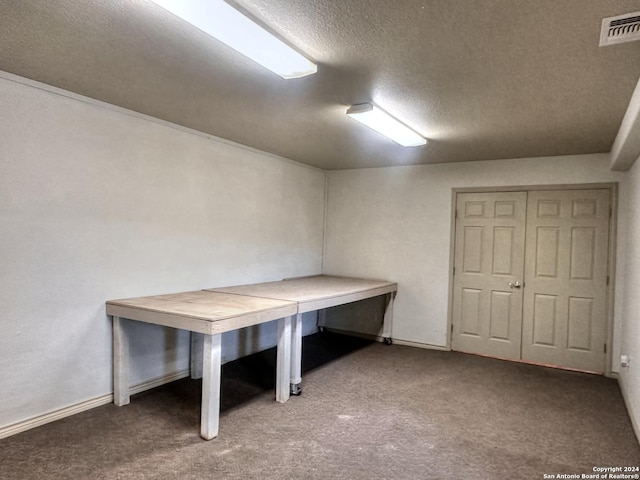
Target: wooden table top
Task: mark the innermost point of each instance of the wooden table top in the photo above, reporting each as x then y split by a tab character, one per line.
314	292
202	311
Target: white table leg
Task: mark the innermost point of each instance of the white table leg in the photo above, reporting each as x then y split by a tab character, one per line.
388	318
283	367
296	355
120	363
322	319
210	414
197	341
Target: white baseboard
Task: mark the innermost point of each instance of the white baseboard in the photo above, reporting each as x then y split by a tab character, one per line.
156	382
350	333
61	413
54	415
426	346
635	421
395	341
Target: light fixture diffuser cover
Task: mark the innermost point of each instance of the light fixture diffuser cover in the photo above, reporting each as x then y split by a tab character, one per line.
223	22
383	123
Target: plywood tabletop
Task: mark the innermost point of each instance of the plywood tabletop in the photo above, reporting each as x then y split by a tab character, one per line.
202	311
319	291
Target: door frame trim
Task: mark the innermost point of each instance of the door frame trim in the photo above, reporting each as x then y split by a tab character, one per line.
611	266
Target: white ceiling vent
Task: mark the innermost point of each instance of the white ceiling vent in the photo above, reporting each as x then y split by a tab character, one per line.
623	28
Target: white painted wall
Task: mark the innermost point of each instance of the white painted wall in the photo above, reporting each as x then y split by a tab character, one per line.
630	306
395	223
97	203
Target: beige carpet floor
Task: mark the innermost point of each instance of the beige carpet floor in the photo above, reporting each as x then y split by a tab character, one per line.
368	411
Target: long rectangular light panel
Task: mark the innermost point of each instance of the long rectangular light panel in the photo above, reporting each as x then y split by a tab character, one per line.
380	121
222	21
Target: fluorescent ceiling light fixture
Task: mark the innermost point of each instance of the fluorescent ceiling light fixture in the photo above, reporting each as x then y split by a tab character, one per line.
222	21
380	121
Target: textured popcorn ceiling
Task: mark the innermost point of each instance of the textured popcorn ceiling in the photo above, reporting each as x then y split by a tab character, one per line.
482	79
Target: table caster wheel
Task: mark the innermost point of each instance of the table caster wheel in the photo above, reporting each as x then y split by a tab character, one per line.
388	341
296	389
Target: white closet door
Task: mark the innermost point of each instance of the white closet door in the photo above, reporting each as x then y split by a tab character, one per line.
565	293
489	261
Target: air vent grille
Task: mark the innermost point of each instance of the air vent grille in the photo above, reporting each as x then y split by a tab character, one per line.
623	28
